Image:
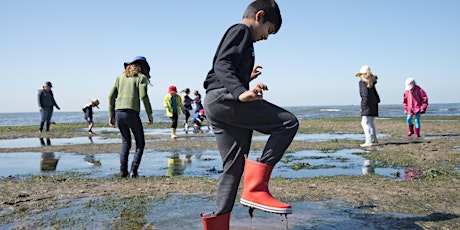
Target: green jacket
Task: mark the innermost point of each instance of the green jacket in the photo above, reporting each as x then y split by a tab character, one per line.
168	106
127	92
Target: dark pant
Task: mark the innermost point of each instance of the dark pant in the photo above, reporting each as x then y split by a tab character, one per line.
46	113
233	122
187	115
129	121
174	119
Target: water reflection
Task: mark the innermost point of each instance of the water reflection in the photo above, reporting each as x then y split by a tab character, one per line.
92	160
413	174
175	167
42	141
368	167
48	161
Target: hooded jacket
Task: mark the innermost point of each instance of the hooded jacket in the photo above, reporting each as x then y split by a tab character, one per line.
415	101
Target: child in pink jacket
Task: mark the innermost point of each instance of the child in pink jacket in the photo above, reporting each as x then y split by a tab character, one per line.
415	103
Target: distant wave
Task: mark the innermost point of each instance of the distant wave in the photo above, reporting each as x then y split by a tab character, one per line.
330	110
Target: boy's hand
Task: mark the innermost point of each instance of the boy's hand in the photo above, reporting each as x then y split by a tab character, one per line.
255	93
255	72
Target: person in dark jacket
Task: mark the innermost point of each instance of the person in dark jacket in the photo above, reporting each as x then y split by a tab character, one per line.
46	103
370	100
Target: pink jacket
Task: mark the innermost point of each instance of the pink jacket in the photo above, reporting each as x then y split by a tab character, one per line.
415	101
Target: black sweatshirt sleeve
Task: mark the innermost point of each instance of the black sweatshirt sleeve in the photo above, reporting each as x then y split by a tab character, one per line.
233	62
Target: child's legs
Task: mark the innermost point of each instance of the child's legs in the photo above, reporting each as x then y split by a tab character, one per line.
372	126
187	115
135	124
174	119
417	120
365	122
232	122
409	119
121	117
233	143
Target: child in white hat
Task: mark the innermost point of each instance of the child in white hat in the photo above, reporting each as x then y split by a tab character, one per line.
415	103
370	100
88	110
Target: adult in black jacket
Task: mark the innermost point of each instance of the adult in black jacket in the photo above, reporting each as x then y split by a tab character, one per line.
46	103
369	104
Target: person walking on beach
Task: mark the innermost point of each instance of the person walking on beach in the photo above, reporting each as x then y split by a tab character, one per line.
124	106
46	103
173	105
88	110
197	101
235	111
370	100
187	107
415	103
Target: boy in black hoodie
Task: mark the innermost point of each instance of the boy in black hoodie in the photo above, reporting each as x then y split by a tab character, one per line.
234	110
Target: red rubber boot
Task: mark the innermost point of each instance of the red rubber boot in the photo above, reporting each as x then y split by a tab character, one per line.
411	130
255	189
417	132
215	222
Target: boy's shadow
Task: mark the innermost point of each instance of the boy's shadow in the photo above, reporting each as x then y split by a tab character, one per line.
394	222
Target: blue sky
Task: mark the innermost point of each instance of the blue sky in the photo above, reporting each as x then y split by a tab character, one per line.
80	46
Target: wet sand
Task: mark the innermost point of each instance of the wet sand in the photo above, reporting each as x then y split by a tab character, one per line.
347	202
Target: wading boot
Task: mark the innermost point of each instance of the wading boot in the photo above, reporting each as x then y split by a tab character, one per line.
417	132
411	130
173	133
215	222
255	189
133	173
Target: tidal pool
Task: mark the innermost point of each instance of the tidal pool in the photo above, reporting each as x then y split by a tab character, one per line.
190	162
178	212
204	134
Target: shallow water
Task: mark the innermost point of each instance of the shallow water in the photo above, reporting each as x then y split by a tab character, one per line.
189	162
95	213
163	134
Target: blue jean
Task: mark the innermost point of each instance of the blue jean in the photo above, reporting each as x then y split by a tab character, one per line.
233	123
417	120
129	121
46	113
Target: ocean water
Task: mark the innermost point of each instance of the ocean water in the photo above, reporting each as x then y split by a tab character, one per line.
302	112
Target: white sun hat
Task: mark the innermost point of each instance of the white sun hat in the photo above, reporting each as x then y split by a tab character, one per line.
364	69
410	83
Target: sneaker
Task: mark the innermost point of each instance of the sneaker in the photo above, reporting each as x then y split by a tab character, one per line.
366	145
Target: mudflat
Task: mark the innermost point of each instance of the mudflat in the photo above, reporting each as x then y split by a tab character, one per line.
434	193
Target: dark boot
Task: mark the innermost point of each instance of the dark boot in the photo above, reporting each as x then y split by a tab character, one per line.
124	169
255	189
215	222
123	165
134	167
417	132
411	130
